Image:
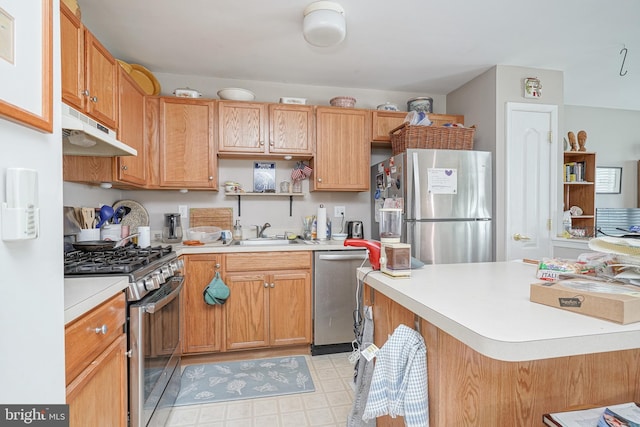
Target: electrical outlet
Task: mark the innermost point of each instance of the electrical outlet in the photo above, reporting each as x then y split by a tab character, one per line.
338	211
183	210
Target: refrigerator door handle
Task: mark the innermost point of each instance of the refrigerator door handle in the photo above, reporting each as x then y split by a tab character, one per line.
416	189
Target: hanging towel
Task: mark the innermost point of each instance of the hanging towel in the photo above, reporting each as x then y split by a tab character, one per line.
216	291
399	383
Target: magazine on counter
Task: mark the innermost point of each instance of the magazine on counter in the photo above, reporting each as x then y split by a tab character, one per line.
623	415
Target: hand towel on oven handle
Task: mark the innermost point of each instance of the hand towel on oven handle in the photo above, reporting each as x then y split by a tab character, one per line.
216	291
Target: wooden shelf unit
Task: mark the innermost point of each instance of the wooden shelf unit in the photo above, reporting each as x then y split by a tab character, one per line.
582	191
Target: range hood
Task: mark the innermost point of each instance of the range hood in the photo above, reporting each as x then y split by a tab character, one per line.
83	136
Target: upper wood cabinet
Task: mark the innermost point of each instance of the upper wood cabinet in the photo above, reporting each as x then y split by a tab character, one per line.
185	143
131	108
89	71
261	129
384	122
343	152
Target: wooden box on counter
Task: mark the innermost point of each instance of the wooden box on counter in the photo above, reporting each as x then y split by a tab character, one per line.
623	307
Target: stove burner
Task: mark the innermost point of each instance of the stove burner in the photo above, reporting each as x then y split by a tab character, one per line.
123	260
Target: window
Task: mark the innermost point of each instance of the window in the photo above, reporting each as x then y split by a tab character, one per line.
608	180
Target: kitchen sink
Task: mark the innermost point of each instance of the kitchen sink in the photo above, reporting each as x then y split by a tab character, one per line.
263	242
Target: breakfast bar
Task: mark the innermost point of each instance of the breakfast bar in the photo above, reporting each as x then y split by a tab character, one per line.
495	358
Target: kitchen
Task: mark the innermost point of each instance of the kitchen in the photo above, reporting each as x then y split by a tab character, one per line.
37	350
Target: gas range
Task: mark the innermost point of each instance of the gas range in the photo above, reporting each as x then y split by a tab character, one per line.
146	268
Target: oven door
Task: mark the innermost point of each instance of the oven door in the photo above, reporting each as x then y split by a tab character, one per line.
155	350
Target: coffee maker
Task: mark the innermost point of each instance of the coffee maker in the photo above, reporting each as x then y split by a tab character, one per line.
172	229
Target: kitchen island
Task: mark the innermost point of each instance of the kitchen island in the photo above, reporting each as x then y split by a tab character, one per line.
494	358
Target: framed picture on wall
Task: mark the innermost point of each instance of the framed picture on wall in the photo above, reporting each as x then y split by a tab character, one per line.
608	180
26	63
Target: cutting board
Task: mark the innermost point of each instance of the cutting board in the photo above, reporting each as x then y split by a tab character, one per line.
218	217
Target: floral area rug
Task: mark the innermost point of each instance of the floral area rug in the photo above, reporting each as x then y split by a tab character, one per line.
247	379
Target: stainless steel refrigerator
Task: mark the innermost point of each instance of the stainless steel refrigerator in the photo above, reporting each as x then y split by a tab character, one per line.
446	201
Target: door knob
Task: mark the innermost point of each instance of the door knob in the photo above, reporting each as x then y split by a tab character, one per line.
517	237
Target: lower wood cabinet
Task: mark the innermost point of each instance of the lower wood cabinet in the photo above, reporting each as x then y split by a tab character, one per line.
202	324
270	300
96	366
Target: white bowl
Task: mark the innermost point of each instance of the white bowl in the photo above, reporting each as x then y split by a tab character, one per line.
339	236
236	94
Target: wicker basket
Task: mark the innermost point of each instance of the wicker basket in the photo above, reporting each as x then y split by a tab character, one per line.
442	137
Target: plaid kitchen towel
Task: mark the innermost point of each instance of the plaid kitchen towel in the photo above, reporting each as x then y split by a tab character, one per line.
399	383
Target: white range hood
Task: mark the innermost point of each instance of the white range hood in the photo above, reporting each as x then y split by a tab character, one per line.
83	136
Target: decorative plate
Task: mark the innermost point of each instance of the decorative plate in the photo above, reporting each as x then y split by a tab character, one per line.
136	217
145	79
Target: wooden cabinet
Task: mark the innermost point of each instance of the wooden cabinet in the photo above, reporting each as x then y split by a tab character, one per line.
203	324
183	141
96	366
270	299
384	122
580	190
343	152
259	129
89	73
131	169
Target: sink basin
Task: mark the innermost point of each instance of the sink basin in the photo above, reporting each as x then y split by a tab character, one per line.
263	242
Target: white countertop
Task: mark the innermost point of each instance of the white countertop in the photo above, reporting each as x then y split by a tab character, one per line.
487	307
84	293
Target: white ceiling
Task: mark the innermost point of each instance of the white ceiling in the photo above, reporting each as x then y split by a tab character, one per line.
421	46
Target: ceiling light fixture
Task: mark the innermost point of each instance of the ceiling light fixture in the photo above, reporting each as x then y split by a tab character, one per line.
324	24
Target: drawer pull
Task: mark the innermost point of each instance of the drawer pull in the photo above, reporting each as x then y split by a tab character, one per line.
102	330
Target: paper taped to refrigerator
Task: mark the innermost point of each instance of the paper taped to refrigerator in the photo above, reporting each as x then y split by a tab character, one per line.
442	181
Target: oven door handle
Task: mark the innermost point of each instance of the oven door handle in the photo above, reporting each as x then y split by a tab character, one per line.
157	305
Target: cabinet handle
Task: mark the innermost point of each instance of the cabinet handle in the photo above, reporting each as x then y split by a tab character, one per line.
271	143
217	266
319	179
266	285
273	285
210	178
125	167
85	92
101	330
94	99
261	142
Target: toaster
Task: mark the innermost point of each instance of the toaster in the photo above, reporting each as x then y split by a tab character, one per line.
355	230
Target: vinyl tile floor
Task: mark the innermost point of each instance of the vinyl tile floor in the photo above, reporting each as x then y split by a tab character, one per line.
327	406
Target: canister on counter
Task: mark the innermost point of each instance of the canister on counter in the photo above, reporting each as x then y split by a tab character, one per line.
421	104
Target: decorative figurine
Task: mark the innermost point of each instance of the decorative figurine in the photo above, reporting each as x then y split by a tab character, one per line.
572	141
582	140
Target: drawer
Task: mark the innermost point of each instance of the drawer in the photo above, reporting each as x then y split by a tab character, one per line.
257	261
92	333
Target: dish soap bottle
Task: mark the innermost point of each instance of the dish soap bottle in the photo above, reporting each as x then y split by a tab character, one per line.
237	230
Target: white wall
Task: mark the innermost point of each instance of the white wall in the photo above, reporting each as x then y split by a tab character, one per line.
31	287
614	135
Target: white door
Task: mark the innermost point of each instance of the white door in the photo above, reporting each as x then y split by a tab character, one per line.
531	153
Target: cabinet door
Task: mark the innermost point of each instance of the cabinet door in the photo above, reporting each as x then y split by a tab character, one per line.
203	324
101	82
131	169
291	129
384	121
72	58
247	311
98	396
343	154
186	145
290	308
242	127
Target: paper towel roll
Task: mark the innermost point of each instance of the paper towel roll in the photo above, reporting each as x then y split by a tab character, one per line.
321	221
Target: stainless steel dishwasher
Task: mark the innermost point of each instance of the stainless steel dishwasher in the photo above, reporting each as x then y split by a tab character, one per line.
334	299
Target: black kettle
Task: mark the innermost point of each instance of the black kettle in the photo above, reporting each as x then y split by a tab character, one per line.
355	230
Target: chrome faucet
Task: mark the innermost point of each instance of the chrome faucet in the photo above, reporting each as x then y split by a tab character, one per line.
260	229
